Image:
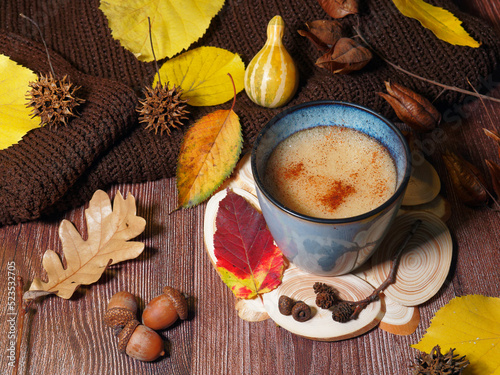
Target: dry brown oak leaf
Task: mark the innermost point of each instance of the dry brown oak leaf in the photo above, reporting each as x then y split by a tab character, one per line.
109	231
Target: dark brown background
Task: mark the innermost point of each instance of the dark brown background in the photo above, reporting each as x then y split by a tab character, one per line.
68	337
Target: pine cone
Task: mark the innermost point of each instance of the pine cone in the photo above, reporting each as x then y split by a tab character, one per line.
54	100
342	312
322	287
436	363
325	300
162	108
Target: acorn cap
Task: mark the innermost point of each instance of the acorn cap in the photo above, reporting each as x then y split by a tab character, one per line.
118	317
125	334
178	300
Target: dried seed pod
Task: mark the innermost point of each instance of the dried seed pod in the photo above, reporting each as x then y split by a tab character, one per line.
322	287
437	363
339	8
323	33
54	100
494	169
285	305
467	180
162	108
301	311
345	57
342	312
411	108
325	300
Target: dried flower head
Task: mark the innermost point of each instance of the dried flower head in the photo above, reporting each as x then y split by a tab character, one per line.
53	99
162	109
436	363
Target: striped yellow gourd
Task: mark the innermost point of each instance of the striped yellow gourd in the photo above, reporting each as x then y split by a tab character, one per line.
271	78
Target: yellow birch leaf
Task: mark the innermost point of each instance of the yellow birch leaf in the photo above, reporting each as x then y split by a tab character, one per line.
471	325
208	154
15	117
440	21
109	231
175	24
202	75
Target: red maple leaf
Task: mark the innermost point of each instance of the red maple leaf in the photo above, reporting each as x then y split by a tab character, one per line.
247	259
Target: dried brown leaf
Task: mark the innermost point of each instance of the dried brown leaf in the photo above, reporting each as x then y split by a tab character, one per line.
323	33
411	108
494	169
339	8
467	180
109	231
345	57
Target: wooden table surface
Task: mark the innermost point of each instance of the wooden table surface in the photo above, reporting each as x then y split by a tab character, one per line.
68	336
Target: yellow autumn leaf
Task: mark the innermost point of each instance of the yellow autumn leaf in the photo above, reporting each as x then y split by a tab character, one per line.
208	155
471	325
175	24
109	231
15	117
440	21
202	75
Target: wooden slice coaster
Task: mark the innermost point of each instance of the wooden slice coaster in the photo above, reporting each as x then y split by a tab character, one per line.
439	206
425	262
298	285
399	319
424	185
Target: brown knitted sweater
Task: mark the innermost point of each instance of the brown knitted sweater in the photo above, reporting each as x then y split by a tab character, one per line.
53	170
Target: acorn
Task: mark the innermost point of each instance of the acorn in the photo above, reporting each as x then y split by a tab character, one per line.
163	311
122	308
140	342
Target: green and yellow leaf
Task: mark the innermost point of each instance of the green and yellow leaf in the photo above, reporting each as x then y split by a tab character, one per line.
15	117
440	21
208	154
471	325
202	75
175	24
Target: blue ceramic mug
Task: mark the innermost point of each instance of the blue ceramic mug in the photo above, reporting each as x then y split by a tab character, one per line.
321	246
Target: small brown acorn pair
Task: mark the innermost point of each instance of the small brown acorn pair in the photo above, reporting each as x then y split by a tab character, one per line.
140	341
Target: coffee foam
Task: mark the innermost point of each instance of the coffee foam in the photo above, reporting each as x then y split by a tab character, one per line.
330	172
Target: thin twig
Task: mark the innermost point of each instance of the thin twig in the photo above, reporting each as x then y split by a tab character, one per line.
397	67
43	40
484	105
391	278
153	50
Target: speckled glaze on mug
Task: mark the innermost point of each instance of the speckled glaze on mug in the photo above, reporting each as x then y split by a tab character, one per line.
329	247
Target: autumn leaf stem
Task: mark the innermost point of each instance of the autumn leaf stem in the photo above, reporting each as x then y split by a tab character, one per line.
43	40
234	91
153	51
397	67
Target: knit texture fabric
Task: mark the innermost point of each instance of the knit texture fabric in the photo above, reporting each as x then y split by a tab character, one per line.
51	170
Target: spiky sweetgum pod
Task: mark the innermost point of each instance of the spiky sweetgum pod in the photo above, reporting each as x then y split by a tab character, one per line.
436	363
162	109
53	100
